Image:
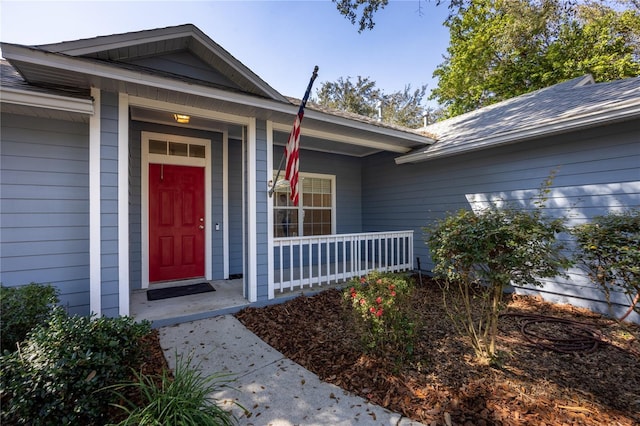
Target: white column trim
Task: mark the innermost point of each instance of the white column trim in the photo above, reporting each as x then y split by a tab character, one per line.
252	256
123	204
95	235
268	178
146	158
225	202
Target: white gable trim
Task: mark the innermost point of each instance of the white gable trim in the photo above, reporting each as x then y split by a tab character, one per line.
95	235
46	100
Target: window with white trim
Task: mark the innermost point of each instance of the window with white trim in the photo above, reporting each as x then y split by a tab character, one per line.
315	213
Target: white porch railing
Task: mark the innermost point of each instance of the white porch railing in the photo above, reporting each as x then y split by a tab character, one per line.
328	259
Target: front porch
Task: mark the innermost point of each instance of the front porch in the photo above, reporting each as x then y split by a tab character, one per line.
300	266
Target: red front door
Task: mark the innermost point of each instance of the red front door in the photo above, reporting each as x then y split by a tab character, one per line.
176	222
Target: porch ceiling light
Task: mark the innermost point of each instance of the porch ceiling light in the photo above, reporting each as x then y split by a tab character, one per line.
181	118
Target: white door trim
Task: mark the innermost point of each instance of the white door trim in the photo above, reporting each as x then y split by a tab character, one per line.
147	158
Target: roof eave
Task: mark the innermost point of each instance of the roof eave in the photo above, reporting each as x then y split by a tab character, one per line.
18	53
622	112
47	101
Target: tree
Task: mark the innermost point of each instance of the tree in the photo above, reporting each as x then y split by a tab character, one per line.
480	254
609	250
503	48
403	108
344	95
363	11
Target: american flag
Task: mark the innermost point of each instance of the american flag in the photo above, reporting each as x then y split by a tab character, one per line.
293	157
292	150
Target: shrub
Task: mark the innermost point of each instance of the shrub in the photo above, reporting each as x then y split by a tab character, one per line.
23	308
609	249
179	400
480	254
59	372
380	307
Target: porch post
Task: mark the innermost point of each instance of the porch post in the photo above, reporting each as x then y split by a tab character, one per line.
123	204
268	177
95	254
251	237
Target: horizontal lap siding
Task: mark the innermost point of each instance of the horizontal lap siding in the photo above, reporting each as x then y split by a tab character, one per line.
348	173
597	171
235	207
44	211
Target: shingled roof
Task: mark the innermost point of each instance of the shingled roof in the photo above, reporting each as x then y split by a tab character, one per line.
574	104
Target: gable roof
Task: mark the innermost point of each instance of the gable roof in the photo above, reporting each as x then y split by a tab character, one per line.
128	63
123	49
568	106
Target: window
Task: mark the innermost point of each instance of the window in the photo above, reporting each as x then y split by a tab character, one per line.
177	149
315	212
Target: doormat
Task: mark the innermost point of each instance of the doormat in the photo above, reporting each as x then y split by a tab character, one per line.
183	290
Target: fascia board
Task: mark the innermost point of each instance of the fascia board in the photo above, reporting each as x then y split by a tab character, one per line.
344	139
622	112
46	100
19	53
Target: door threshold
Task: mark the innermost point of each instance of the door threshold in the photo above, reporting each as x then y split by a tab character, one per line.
177	283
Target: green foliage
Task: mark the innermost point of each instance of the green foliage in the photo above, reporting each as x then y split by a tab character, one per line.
480	254
609	248
23	308
402	108
350	9
57	376
183	399
344	95
500	49
380	304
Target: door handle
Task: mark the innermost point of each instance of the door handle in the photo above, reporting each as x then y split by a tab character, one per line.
201	226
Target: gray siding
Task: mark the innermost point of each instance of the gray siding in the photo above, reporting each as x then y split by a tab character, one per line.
262	247
44	206
597	172
235	207
216	206
348	173
185	64
109	204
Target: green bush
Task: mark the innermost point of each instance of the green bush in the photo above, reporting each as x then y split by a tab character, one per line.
480	254
182	399
609	248
58	375
380	304
23	308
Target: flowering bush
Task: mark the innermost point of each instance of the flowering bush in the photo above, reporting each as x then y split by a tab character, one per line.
380	307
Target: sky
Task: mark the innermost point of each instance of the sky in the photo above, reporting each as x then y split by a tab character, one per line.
280	41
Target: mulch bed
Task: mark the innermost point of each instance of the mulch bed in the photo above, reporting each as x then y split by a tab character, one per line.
595	380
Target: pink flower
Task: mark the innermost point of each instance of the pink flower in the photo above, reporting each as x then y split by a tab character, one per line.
379	300
372	310
392	287
379	313
362	301
363	280
379	281
393	293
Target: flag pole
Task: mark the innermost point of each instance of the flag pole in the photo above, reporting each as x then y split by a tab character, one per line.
300	113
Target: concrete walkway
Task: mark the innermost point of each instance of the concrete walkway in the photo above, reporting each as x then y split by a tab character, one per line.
275	390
